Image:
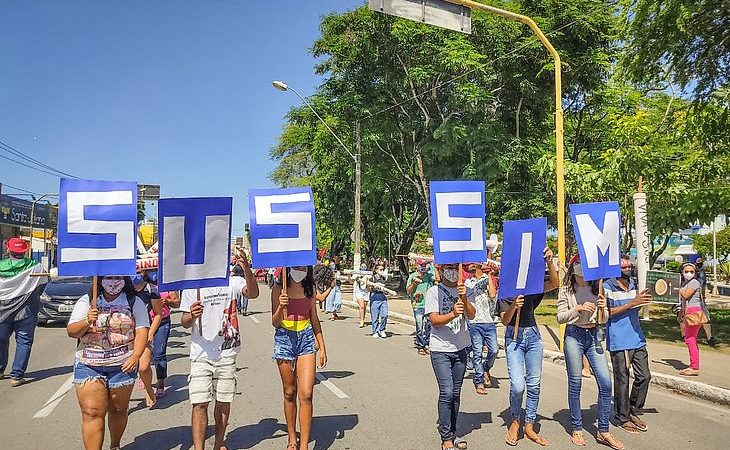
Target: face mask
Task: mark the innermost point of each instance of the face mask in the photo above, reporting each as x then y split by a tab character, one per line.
298	275
112	286
578	269
363	268
450	274
699	265
688	275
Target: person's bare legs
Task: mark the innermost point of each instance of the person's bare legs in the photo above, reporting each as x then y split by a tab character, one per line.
199	425
305	388
289	386
92	396
708	330
145	374
118	413
361	308
221	413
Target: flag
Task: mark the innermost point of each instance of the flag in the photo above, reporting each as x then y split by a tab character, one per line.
17	287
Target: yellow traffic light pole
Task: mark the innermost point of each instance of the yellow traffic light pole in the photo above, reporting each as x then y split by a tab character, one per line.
559	167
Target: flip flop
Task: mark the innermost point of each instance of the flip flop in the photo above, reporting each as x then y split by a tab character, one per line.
630	428
610	441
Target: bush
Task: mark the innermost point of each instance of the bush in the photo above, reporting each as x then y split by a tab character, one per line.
673	266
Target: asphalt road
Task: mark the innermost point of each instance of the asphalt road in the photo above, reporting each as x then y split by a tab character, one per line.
374	394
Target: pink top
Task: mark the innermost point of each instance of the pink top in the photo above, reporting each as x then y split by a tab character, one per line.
299	309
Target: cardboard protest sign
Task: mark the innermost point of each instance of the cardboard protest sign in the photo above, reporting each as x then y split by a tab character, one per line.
97	227
457	221
283	230
597	229
523	265
194	243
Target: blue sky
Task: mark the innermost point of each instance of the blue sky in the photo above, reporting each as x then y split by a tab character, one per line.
176	93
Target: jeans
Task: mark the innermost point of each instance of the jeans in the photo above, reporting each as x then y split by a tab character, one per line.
333	303
111	376
24	331
378	312
524	366
159	349
630	404
483	334
290	345
449	369
578	342
242	303
423	327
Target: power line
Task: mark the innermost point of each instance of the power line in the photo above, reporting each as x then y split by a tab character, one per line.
31	167
19	189
15	152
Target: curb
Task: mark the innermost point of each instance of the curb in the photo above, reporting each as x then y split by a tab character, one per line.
689	388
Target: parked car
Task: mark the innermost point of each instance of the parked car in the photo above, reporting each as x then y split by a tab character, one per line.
60	296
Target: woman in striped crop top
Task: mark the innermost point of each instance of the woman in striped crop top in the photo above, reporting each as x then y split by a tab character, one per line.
297	340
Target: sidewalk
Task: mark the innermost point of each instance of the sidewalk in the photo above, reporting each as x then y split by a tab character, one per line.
665	360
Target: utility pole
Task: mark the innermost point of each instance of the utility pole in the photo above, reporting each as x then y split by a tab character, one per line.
357	257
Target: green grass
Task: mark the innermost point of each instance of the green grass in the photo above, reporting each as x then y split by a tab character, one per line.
662	327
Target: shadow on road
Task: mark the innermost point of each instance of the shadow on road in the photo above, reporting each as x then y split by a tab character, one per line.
325	430
590	418
336	374
469	422
169	439
39	375
176	392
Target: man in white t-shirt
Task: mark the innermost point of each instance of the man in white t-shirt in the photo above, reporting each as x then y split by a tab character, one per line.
214	343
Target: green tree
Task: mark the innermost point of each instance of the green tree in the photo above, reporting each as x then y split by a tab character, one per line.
703	244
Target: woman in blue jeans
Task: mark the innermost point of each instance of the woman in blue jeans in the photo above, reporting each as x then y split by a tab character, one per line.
378	305
579	304
448	305
524	356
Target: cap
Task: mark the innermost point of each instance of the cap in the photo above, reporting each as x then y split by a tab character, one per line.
17	245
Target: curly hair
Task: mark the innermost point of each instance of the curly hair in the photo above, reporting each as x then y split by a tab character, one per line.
323	277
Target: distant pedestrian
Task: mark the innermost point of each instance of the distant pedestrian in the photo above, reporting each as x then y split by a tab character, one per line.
213	350
238	285
111	340
19	305
524	356
378	304
419	282
482	328
627	345
448	306
146	287
333	301
297	339
361	293
579	303
693	315
712	341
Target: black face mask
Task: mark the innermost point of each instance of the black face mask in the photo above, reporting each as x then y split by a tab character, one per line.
699	265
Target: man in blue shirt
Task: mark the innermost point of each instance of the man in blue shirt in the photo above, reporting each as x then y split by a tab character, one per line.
627	345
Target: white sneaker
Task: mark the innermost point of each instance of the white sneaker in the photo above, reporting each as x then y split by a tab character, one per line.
383	335
375	335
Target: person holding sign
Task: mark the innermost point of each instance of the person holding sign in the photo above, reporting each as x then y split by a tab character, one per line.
448	305
523	347
579	304
627	345
482	329
297	338
215	341
112	335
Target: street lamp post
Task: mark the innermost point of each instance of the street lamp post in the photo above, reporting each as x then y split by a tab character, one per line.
32	222
280	85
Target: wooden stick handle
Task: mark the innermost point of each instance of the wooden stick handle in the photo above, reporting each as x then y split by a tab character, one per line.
283	287
200	319
517	323
94	291
600	293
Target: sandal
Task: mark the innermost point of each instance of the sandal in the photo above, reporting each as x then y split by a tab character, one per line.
461	444
609	440
481	390
422	352
508	439
689	372
578	439
487	380
630	427
160	392
638	423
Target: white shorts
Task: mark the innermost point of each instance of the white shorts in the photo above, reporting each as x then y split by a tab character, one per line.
208	377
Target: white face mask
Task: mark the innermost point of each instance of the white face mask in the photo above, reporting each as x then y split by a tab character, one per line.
688	276
298	275
450	274
578	269
112	286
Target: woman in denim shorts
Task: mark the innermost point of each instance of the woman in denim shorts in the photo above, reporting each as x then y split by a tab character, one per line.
297	339
111	339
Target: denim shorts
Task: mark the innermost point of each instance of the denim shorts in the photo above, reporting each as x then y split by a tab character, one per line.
289	345
111	376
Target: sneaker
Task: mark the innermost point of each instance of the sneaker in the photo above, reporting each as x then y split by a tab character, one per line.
713	341
375	335
383	335
15	382
2	376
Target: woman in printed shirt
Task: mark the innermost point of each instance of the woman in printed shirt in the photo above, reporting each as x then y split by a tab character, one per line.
578	305
111	340
297	338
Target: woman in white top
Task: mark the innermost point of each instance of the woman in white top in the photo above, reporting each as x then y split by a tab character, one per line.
111	339
579	303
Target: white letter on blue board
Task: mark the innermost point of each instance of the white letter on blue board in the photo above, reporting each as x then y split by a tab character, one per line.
215	259
473	224
525	253
595	240
303	221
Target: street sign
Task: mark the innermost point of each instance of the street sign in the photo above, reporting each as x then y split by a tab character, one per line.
433	12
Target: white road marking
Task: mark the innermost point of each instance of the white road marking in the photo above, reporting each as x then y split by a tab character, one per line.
331	386
55	399
255	320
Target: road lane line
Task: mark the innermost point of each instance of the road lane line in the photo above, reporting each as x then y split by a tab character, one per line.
255	320
331	386
55	399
